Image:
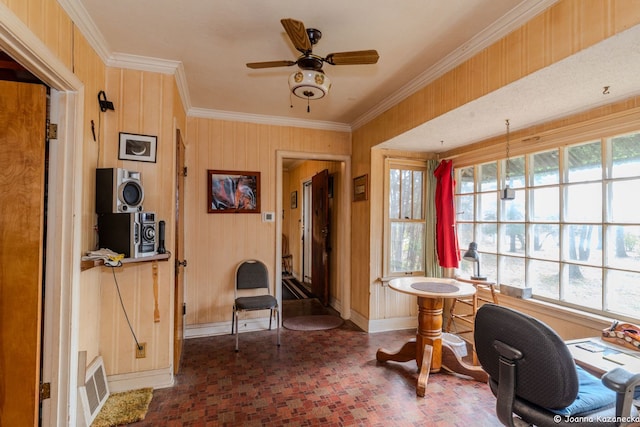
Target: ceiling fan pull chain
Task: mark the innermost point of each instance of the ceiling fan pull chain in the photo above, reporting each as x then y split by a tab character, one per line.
308	106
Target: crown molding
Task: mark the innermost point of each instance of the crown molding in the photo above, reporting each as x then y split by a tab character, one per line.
509	22
143	63
267	120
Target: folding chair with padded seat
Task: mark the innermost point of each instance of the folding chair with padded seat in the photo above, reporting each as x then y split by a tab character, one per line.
252	275
533	375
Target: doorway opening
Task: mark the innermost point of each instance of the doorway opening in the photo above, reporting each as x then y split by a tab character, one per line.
295	171
60	362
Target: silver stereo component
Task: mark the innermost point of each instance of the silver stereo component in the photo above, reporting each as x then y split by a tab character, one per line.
131	234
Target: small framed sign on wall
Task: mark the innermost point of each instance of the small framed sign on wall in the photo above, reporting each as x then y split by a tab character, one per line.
141	148
361	188
233	191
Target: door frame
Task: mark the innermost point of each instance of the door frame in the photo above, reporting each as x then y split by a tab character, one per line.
62	278
342	227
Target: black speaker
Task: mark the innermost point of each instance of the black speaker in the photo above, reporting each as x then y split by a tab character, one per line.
161	248
118	190
132	234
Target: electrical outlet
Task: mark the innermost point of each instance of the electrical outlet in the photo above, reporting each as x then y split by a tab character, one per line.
141	352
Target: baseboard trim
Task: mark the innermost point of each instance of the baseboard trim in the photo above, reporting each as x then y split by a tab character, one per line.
394	324
157	378
224	328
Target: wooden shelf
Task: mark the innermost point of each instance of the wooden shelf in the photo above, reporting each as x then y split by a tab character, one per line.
86	265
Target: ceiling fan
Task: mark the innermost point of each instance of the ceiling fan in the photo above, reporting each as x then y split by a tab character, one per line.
303	39
311	82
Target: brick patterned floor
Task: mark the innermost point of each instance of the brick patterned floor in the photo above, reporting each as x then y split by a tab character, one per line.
318	378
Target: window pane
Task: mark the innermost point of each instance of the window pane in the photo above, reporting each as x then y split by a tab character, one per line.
545	168
512	239
465	182
487	241
489	177
544	278
465	235
487	209
623	247
623	293
466	269
583	244
394	194
407	247
585	162
488	266
464	208
546	243
513	210
546	204
417	195
512	271
624	201
626	155
514	177
583	286
405	188
584	203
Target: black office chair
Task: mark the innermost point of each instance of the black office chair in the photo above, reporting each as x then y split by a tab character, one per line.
252	276
533	375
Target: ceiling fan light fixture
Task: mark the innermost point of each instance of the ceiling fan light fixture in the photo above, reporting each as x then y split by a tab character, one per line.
309	84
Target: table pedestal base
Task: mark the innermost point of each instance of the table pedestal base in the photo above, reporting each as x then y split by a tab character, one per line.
428	350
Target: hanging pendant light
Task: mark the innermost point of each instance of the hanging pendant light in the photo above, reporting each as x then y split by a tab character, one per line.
507	193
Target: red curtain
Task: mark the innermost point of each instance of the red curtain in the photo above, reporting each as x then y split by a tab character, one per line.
446	238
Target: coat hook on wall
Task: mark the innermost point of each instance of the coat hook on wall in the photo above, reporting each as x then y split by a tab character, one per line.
104	104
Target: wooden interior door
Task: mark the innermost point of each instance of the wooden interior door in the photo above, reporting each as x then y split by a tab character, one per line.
22	182
320	235
178	324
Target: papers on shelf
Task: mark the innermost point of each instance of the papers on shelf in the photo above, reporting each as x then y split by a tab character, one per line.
108	256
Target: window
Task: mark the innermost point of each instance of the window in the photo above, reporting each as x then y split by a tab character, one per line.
572	233
404	218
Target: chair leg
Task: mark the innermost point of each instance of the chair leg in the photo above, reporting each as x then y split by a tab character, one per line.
451	314
237	349
278	326
233	319
270	318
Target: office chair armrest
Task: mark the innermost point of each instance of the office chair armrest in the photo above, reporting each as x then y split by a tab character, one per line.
508	356
624	384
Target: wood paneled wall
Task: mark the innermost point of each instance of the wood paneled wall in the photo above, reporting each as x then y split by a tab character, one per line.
50	23
144	104
562	30
218	242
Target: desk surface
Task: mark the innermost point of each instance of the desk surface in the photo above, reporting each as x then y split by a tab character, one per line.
599	356
432	287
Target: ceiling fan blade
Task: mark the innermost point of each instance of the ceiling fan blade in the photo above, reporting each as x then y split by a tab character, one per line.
353	58
270	64
297	33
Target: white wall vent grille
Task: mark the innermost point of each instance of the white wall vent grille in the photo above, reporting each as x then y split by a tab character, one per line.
95	390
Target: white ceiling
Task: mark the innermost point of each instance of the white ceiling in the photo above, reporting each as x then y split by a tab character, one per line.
210	41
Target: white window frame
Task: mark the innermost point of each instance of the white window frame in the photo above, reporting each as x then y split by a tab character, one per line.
500	257
403	164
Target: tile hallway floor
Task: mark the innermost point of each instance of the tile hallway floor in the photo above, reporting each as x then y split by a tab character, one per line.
318	378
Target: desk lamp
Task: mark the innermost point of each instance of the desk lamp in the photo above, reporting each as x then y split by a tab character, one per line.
473	256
